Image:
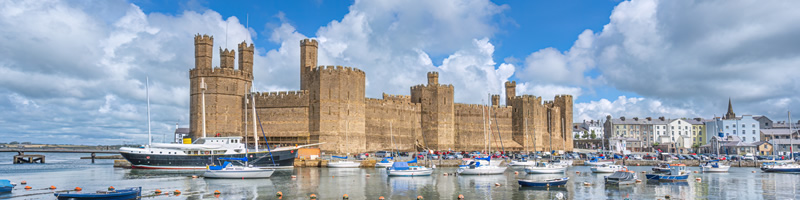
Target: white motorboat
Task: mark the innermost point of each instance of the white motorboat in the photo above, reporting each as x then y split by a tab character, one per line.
545	168
479	166
714	166
385	163
402	169
228	170
608	168
596	162
343	163
566	163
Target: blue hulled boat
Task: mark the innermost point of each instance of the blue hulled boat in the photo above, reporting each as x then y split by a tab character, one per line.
677	172
544	183
781	167
6	186
124	194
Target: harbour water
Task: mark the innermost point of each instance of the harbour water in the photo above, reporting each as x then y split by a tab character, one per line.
66	171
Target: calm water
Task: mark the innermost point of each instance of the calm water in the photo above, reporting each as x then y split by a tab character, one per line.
65	171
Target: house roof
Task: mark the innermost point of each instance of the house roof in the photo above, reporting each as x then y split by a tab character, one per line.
785	141
182	131
778	131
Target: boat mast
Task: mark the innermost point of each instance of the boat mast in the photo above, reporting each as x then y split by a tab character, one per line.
526	135
147	90
483	116
255	133
791	144
391	134
203	89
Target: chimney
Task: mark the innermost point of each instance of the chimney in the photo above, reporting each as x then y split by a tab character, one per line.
622	118
635	118
661	118
649	118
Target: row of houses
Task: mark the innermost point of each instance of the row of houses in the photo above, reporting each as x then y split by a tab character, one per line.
730	134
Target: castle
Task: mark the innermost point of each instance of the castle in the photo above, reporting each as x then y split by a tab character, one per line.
331	107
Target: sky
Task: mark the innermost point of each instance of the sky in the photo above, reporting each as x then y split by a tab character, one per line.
73	72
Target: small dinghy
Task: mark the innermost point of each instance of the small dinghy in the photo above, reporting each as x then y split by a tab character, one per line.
6	186
677	172
124	194
607	168
228	170
621	178
544	183
402	169
344	163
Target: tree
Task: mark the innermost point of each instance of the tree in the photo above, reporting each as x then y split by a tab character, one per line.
585	136
593	136
14	142
655	144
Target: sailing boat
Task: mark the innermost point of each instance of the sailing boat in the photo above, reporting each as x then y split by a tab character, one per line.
402	169
790	166
480	166
714	165
524	162
545	167
228	170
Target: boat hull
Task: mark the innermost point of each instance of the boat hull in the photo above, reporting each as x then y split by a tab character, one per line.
346	164
6	188
667	178
545	170
283	159
600	169
522	164
598	163
384	165
781	170
243	174
720	168
481	170
423	172
546	183
133	193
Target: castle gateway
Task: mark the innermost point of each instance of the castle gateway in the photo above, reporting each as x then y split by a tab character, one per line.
331	107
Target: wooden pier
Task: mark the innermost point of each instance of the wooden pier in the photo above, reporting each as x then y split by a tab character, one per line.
22	159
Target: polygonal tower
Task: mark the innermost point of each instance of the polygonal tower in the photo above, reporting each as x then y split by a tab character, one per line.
511	91
308	60
438	114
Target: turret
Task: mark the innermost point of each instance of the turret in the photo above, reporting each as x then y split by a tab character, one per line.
308	60
226	58
245	57
495	100
511	91
202	51
433	78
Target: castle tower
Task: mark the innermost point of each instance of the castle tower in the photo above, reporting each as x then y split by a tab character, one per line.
496	100
246	57
511	91
528	122
226	58
224	90
308	60
438	115
202	51
564	104
337	108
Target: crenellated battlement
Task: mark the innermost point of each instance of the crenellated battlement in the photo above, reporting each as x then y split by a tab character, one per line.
243	46
397	97
282	99
309	42
204	39
337	69
221	72
226	58
395	102
510	84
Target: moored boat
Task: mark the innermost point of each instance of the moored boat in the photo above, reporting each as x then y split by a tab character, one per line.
479	166
623	177
545	168
597	162
124	194
661	168
385	163
543	183
714	166
781	167
228	170
344	163
607	168
523	163
6	186
677	172
402	169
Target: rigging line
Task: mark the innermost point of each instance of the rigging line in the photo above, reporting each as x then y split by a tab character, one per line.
265	139
502	147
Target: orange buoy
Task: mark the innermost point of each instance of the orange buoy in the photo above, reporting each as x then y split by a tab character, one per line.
381	198
23	182
577	172
694	172
52	187
110	188
497	184
637	164
516	172
313	196
367	175
420	198
27	187
216	195
158	191
78	188
294	176
698	179
177	191
194	176
638	181
460	196
345	196
279	193
217	192
444	174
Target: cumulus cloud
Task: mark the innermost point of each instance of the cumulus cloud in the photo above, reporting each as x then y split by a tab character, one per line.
628	107
687	53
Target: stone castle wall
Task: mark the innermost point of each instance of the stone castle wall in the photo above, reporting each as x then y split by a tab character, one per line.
331	108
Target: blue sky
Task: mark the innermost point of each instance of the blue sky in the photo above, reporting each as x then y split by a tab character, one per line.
642	58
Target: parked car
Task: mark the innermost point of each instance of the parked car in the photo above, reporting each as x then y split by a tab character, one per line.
381	154
748	156
649	157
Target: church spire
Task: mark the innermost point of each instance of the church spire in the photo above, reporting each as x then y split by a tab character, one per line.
730	114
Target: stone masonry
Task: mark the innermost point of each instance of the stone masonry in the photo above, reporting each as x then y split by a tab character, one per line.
331	108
